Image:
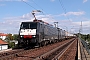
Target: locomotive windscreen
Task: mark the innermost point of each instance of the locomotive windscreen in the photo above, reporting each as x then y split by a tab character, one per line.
28	25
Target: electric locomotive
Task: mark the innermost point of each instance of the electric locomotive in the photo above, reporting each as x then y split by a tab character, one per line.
37	33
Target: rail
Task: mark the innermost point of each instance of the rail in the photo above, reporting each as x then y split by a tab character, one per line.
48	55
61	56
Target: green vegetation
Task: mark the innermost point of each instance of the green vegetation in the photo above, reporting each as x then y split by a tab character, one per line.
85	37
15	37
10	38
11	45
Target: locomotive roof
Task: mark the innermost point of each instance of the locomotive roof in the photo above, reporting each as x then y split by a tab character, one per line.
39	21
42	22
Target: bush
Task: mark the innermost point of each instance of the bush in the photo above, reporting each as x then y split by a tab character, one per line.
11	44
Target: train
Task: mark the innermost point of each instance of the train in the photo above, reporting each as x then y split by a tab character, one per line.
39	33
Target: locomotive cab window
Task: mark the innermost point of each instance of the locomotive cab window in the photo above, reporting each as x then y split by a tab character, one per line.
28	25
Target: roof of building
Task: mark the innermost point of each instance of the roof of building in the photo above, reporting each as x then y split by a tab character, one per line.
3	42
2	34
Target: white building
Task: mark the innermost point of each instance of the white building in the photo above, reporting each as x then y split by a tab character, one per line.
3	45
3	36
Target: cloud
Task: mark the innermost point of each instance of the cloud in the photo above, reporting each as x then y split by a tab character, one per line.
12	24
74	13
85	26
27	16
85	1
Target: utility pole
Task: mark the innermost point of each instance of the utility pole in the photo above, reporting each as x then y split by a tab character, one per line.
80	30
81	26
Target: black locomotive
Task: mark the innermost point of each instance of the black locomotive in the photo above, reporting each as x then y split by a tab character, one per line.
39	33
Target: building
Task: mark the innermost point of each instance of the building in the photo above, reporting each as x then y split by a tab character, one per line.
3	36
3	45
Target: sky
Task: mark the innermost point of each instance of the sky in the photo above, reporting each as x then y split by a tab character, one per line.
71	15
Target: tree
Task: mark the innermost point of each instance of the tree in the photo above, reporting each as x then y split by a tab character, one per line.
9	37
15	36
11	44
88	37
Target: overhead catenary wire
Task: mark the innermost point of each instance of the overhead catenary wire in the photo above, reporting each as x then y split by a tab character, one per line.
60	1
65	12
40	7
33	8
29	5
36	9
37	4
62	6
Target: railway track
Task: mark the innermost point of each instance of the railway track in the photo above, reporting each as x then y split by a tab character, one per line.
9	54
45	52
42	53
71	52
57	53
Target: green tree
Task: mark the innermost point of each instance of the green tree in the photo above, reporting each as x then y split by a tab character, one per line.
9	37
15	36
85	37
11	44
88	37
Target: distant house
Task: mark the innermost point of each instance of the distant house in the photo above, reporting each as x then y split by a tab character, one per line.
3	36
3	45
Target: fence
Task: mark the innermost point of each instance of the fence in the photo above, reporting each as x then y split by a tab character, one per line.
86	45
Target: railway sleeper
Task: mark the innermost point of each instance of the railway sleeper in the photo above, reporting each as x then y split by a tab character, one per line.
48	54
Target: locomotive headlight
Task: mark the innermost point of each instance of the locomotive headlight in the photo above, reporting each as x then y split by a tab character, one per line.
34	36
21	36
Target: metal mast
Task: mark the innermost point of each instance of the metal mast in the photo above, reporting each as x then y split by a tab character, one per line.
56	24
